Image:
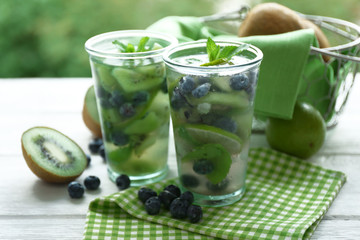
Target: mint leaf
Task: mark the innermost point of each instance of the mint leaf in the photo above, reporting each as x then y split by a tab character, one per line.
223	55
212	49
218	61
130	48
120	45
142	43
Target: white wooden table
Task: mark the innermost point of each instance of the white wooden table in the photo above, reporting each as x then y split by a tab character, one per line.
33	209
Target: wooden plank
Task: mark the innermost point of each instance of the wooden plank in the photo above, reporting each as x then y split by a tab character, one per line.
29	207
41	228
24	96
337	229
24	194
72	227
31	196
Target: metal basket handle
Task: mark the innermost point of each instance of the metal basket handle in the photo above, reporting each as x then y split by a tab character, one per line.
241	13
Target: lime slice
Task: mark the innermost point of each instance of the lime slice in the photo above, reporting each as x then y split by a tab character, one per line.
210	134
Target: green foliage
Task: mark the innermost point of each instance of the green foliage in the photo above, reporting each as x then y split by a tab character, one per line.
45	38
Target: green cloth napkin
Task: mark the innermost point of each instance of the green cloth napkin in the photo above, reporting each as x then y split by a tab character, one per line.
285	57
286	198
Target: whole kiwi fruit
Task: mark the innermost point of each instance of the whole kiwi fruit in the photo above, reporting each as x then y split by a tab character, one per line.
273	18
269	18
90	113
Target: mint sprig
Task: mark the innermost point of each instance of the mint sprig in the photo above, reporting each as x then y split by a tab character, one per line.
130	48
219	56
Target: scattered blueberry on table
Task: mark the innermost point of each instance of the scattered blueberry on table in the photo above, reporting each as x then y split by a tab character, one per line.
146	193
92	182
76	189
166	198
94	145
123	182
152	205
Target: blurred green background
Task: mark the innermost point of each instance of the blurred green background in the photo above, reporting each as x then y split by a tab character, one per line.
45	38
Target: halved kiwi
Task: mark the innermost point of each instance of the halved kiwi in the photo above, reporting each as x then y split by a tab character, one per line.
90	113
51	155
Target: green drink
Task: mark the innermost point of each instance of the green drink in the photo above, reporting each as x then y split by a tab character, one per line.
132	100
211	110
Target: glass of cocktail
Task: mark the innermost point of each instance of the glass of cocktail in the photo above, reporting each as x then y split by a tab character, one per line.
211	103
132	99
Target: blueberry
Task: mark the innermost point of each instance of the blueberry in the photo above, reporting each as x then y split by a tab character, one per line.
127	110
178	208
75	189
186	84
194	213
173	189
116	99
188	180
188	196
166	198
123	182
203	166
140	98
119	138
177	100
152	205
219	186
239	82
145	193
92	182
105	103
102	152
88	159
201	90
226	124
94	145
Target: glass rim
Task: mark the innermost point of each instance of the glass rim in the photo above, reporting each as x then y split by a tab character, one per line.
93	51
202	43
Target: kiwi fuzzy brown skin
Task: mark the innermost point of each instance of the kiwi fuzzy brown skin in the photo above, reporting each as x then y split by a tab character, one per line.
90	123
274	18
269	18
43	173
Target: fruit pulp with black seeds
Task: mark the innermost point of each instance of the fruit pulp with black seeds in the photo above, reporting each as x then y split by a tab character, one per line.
134	114
212	119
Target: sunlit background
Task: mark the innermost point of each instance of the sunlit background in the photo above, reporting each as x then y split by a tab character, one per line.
45	38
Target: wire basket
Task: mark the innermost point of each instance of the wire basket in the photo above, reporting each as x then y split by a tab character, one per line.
329	86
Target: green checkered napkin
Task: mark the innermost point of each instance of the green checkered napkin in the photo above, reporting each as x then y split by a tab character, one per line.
286	198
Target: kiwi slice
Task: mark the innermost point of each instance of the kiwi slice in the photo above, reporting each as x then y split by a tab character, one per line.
239	100
132	81
155	70
217	155
51	155
105	78
144	125
90	113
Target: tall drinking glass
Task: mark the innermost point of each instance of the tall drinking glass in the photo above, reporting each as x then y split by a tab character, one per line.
132	99
212	110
